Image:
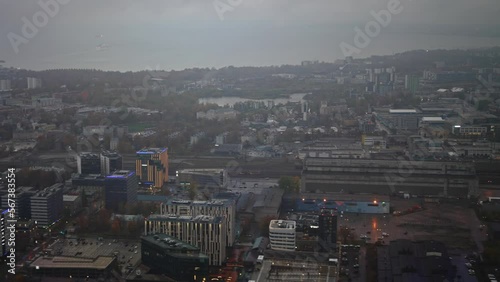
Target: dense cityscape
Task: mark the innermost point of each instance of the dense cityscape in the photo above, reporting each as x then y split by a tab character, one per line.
374	168
248	186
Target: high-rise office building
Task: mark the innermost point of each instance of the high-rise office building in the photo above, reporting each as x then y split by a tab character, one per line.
282	235
412	83
110	161
225	208
178	260
151	166
205	232
120	189
5	85
47	205
88	163
34	83
328	227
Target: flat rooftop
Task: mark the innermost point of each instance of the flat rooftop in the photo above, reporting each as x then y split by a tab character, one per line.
402	111
185	218
217	202
89	155
346	197
432	119
168	242
151	151
49	191
121	174
70	198
202	170
285	224
110	154
99	263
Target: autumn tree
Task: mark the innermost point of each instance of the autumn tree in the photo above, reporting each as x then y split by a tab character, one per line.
115	226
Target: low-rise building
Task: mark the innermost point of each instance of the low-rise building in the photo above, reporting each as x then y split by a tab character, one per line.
62	266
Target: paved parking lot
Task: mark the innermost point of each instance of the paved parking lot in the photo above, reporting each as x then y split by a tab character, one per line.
254	185
127	252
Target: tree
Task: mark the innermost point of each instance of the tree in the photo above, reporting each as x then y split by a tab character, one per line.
192	190
290	184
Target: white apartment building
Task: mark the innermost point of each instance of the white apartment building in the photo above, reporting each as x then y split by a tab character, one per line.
282	235
205	232
224	208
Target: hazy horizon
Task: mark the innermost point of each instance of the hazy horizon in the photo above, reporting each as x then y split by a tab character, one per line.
127	35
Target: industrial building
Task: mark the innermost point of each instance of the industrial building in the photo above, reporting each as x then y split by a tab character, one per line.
120	189
205	232
282	235
424	178
174	258
47	205
399	119
151	166
225	208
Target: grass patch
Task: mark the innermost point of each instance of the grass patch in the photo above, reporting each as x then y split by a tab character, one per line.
137	127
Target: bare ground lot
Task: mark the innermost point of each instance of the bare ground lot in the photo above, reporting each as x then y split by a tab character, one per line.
455	225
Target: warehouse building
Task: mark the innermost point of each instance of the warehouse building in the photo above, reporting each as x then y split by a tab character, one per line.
423	178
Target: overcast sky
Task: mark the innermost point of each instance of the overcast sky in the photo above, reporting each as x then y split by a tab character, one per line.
188	33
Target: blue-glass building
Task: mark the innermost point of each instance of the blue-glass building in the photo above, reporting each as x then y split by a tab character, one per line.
120	189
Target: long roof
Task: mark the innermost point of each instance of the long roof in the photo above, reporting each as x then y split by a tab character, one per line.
100	263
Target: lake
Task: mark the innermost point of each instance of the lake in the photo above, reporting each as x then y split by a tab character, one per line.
222	101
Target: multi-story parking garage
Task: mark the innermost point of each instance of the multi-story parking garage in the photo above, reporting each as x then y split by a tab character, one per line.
423	178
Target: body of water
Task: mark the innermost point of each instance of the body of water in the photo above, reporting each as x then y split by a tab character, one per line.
230	101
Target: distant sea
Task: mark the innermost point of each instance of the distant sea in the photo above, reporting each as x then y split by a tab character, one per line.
166	48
